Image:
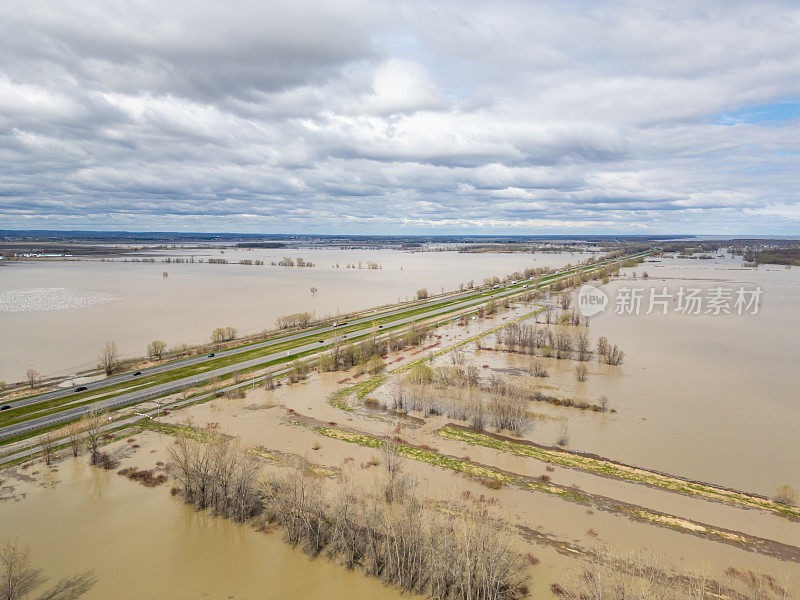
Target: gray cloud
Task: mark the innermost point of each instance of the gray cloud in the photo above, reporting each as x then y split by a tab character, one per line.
388	118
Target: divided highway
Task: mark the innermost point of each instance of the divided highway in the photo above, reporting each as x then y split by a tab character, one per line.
308	343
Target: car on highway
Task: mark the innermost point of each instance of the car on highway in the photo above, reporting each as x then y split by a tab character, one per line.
81	388
321	341
5	407
211	355
137	373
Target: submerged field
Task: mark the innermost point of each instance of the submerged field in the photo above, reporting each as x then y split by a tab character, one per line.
195	298
647	470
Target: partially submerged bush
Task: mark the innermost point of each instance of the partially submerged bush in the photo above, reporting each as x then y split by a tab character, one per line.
786	495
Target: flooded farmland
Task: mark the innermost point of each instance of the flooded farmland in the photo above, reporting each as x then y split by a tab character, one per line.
141	543
713	397
197	297
722	378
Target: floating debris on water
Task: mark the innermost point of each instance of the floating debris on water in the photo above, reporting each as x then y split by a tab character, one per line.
44	299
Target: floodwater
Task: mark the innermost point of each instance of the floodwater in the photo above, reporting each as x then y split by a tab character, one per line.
143	544
262	419
132	304
708	397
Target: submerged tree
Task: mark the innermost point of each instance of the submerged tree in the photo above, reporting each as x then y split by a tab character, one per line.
18	578
109	358
155	349
32	377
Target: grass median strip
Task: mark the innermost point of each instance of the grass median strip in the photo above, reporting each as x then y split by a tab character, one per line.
613	469
22	414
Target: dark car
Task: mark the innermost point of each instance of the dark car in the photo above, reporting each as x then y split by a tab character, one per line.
81	388
5	407
322	341
211	355
137	373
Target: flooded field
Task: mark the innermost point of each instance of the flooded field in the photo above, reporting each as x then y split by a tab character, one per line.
141	543
713	397
146	543
140	305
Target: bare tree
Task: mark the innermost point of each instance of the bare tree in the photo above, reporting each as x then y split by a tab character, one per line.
18	579
32	377
457	357
614	356
581	372
47	442
155	349
109	358
602	347
538	369
562	342
472	375
74	434
566	300
582	344
510	412
397	483
563	434
786	495
92	424
314	291
462	555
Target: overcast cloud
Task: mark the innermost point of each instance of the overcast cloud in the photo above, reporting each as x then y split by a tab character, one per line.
400	117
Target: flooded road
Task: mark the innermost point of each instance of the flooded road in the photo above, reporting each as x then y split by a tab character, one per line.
132	304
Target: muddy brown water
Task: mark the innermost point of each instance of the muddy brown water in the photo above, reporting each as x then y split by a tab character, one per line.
196	298
710	398
143	544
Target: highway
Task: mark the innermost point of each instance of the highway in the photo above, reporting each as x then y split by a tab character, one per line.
315	344
321	331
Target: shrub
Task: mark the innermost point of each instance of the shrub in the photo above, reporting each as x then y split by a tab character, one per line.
786	495
420	373
376	365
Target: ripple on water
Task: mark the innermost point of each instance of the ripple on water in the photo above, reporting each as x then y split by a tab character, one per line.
44	299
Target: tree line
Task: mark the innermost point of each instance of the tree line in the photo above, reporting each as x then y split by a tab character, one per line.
378	524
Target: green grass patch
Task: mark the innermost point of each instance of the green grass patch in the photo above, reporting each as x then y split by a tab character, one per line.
618	471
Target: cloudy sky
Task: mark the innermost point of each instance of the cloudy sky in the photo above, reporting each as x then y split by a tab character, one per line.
400	117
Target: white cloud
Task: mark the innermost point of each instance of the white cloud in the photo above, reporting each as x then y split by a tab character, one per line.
286	116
